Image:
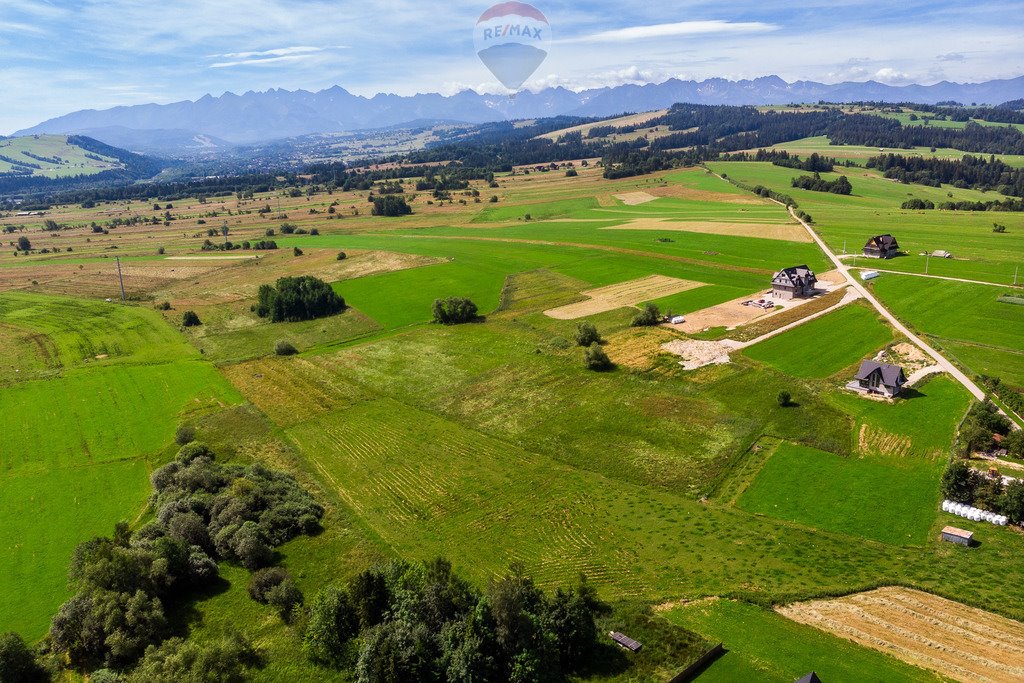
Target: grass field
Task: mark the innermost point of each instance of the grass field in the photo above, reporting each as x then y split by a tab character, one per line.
764	646
883	498
874	208
984	334
81	434
490	442
825	345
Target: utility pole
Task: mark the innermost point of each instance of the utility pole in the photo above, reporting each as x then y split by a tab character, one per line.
120	277
844	247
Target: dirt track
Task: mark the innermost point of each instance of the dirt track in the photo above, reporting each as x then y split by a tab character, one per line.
961	642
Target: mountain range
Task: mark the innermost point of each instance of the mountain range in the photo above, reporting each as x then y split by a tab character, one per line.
211	123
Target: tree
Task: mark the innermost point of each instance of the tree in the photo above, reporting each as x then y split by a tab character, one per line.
225	661
24	244
17	665
1014	443
594	358
296	251
391	205
184	434
341	256
1013	502
648	316
784	398
293	299
959	482
190	319
332	625
587	334
454	310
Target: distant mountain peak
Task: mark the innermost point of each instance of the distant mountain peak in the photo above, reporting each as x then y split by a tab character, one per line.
277	113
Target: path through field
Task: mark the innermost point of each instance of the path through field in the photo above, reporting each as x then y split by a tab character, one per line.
958	641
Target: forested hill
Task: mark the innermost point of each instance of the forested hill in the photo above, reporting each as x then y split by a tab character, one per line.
59	162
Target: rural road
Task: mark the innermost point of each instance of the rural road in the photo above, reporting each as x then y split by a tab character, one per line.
934	277
859	286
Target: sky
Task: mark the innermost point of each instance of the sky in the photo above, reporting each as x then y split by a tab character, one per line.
58	56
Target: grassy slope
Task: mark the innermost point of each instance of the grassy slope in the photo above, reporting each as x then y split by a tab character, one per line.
74	161
826	345
764	646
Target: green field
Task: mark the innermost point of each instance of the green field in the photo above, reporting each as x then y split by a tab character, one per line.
81	435
764	646
984	334
825	345
847	222
62	159
882	498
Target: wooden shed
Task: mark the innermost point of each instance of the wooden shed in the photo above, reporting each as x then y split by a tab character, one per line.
959	536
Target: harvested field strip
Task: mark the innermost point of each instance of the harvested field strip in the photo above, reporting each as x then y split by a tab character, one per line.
962	642
635	198
770	231
623	294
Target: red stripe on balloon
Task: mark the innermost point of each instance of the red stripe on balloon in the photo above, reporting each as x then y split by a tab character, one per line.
519	8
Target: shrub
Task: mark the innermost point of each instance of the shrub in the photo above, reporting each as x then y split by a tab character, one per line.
224	661
294	299
287	598
785	399
190	319
24	244
648	316
341	256
184	435
296	252
454	310
264	580
161	251
285	348
587	334
571	173
163	306
594	358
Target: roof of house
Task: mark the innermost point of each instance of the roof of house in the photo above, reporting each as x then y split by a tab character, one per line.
892	375
809	678
796	276
883	242
956	531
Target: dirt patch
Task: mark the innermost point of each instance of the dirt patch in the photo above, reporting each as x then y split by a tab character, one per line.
622	294
635	198
770	231
874	440
957	641
697	354
676	191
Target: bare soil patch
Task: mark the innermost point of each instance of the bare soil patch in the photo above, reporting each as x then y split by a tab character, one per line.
771	231
955	640
697	353
677	191
622	294
635	198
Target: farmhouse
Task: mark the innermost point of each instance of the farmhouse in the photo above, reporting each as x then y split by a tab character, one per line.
953	534
809	678
879	378
795	282
882	246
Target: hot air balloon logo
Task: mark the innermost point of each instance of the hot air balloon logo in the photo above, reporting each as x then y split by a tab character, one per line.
512	39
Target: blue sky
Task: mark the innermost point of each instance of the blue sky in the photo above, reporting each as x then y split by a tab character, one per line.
58	56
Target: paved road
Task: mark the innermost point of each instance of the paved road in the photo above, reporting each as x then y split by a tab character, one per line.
859	286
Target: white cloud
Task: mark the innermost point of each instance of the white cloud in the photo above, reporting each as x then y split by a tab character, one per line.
276	52
891	76
679	28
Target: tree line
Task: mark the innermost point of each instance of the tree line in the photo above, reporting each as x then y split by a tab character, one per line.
972	172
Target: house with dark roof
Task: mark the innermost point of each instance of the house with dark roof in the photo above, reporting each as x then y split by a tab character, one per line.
795	282
809	678
882	246
879	378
